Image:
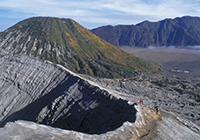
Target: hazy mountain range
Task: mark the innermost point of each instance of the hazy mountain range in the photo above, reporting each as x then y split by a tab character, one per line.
179	32
65	42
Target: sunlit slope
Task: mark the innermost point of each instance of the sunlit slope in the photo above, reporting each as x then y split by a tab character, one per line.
66	42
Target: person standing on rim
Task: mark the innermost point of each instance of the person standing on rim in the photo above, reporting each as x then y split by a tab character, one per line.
157	108
141	102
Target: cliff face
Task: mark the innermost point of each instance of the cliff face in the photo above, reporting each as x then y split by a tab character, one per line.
39	92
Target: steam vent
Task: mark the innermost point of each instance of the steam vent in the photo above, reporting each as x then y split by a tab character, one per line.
40	100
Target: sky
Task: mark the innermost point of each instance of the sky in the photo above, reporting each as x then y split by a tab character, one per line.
95	13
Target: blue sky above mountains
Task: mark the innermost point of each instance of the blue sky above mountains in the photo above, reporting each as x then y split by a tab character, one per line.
95	13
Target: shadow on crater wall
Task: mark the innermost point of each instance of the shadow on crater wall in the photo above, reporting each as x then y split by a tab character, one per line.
77	105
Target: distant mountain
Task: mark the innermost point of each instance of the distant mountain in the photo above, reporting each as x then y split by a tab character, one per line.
65	42
182	32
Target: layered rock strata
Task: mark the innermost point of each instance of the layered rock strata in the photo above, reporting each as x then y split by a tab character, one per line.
41	92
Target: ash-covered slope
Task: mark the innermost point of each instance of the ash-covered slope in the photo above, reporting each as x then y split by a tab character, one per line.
38	91
65	42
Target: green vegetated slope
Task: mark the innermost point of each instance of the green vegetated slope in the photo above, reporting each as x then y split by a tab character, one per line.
182	32
65	42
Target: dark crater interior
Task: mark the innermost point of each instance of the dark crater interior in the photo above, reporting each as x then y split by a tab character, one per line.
77	105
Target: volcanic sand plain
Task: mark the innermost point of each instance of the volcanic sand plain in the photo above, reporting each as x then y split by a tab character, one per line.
178	62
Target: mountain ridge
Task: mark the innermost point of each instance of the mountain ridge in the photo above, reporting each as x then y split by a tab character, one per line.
65	42
177	32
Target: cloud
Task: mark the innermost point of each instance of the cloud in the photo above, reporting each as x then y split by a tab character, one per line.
50	7
105	11
164	8
96	7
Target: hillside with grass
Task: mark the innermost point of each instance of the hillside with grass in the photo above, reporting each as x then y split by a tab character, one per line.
65	42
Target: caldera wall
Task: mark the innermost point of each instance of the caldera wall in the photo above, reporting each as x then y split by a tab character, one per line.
38	91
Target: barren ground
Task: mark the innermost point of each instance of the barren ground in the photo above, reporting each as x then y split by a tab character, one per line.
171	58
